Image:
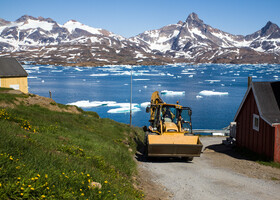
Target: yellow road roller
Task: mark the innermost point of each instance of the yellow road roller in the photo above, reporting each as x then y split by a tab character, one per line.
170	131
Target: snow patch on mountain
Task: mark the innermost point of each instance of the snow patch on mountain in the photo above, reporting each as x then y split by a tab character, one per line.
72	25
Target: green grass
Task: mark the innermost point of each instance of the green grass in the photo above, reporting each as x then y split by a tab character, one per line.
56	155
269	163
9	98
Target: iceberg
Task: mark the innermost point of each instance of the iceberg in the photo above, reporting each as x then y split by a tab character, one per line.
99	75
92	104
78	69
141	79
123	108
145	104
171	93
211	93
213	81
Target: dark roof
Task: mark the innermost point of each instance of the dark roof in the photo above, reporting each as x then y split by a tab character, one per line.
10	67
267	97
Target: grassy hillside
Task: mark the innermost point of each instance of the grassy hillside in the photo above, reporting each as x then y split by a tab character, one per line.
48	154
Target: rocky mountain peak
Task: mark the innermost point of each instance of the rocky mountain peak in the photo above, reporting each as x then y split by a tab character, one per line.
3	22
180	22
24	18
269	28
193	18
187	41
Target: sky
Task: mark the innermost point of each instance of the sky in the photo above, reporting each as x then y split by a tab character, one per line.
131	17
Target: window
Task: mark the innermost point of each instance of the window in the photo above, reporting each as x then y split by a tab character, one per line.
256	122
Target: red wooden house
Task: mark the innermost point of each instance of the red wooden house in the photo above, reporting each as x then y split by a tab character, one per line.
258	120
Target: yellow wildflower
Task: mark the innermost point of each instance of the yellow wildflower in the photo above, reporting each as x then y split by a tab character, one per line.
36	178
81	189
48	188
32	188
82	194
46	175
88	175
18	178
32	179
38	175
99	192
43	196
22	188
29	185
21	194
89	180
0	185
11	158
105	181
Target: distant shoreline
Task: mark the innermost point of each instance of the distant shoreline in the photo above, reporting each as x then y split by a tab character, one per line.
65	64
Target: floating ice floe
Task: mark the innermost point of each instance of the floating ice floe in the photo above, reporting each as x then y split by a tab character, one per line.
213	81
190	76
167	92
92	104
120	107
141	79
123	108
145	104
199	97
32	77
56	70
212	93
99	75
78	69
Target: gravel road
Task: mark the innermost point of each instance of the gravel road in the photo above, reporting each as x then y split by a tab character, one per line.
217	174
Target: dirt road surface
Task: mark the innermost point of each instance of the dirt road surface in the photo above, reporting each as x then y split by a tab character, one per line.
220	173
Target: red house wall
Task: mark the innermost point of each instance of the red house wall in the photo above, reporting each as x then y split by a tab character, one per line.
277	144
262	141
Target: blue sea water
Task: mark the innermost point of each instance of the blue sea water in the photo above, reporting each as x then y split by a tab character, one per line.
213	91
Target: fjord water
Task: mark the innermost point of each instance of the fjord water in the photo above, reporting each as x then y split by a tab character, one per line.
213	91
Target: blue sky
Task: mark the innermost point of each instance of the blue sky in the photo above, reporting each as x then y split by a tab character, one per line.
131	17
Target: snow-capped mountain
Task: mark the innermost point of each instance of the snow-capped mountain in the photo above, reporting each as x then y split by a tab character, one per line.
195	41
43	40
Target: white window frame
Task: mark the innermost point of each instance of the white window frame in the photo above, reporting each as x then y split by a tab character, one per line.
256	127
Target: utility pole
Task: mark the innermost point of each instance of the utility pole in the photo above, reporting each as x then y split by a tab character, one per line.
130	122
